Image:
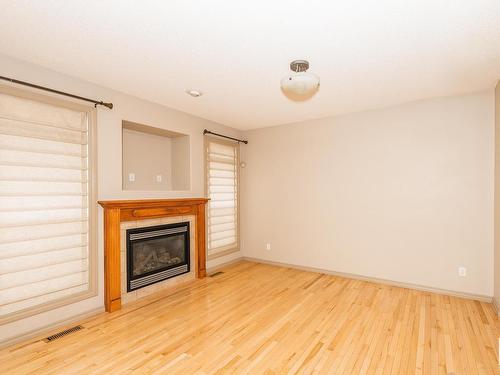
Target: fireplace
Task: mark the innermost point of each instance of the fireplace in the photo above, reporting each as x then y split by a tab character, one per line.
156	253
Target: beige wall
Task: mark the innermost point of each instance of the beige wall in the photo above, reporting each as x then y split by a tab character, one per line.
146	156
109	124
497	198
180	163
403	194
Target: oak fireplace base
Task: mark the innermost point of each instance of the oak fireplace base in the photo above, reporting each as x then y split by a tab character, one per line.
130	210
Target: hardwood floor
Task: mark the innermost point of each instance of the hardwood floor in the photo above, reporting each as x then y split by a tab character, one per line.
262	319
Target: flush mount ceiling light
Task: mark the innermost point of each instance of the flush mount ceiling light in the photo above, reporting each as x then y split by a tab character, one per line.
300	85
194	93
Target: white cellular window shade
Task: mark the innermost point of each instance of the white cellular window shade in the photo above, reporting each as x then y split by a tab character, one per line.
45	195
222	189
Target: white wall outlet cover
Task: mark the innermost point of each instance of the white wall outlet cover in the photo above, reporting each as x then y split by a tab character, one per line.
462	271
131	177
268	246
159	178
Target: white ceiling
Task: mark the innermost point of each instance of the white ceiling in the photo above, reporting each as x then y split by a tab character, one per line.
368	54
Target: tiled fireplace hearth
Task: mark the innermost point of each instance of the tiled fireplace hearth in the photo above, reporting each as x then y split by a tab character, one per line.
147	243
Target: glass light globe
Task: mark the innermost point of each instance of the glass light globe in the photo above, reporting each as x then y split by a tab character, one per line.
301	85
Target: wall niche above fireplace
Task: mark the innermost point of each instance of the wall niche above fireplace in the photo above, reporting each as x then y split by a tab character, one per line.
154	158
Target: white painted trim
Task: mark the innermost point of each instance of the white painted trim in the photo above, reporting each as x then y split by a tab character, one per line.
50	328
477	297
216	268
222	253
496	307
45	331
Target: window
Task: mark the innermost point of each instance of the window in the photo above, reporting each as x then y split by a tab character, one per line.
222	189
47	203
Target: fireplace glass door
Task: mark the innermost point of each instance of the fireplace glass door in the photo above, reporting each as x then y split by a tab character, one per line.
156	253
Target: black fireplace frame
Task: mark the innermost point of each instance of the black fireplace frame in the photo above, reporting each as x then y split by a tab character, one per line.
187	241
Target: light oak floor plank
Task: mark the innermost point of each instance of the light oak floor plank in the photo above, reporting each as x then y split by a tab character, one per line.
263	319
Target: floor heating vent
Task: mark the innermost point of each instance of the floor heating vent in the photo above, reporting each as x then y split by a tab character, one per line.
216	274
62	333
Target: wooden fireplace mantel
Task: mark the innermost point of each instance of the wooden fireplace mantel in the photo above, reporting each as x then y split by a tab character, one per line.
116	211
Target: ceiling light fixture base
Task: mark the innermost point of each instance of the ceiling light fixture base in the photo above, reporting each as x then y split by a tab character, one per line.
299	65
194	93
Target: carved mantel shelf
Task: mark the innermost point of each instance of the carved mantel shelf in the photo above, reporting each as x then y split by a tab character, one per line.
116	211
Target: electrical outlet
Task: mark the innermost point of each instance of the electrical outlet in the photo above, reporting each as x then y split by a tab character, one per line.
462	271
131	177
158	178
268	246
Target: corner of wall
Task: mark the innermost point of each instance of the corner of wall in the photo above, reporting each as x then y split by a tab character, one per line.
496	306
496	205
218	263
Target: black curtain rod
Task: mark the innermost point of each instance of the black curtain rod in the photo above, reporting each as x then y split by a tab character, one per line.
224	136
96	102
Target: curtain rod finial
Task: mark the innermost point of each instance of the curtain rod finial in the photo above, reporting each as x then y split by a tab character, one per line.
107	105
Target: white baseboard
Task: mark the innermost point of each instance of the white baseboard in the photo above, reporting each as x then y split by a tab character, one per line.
496	307
222	265
49	329
477	297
